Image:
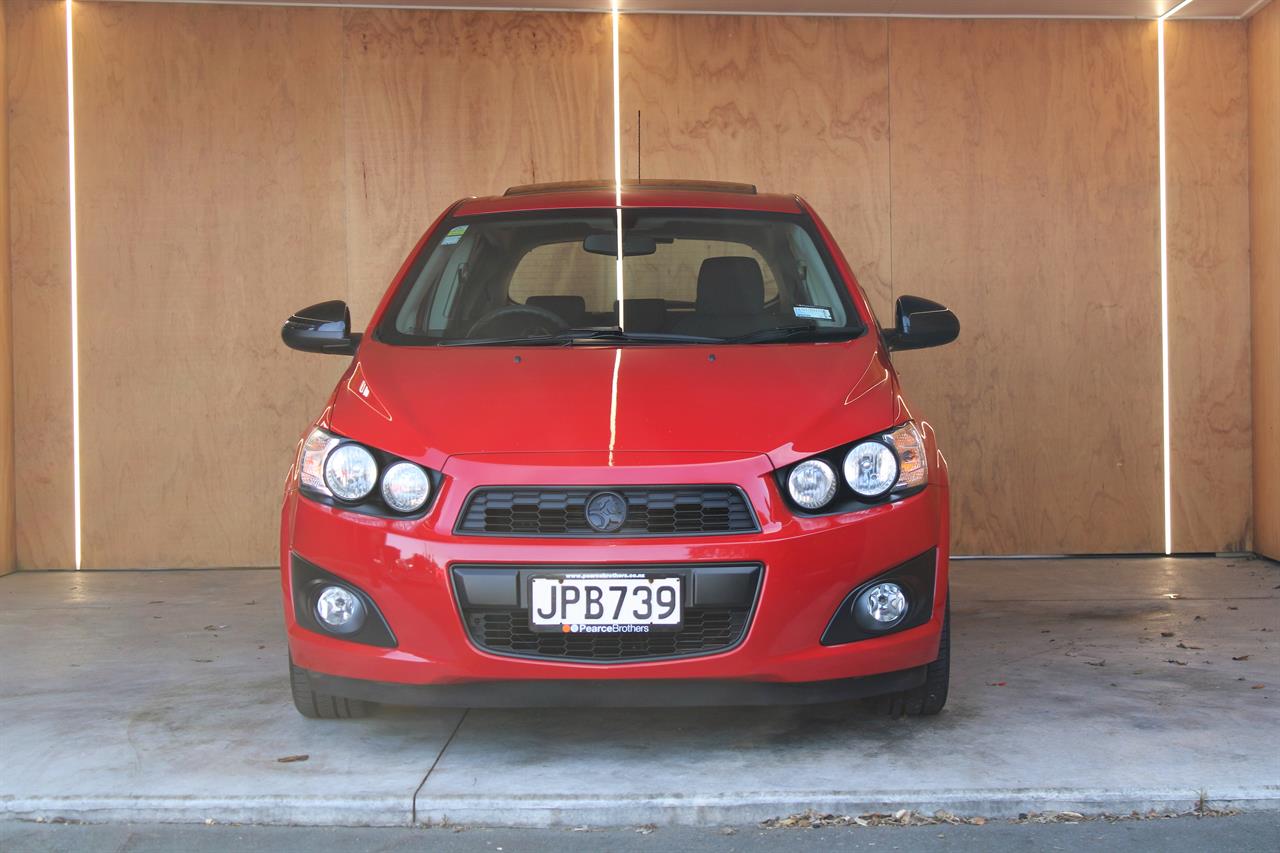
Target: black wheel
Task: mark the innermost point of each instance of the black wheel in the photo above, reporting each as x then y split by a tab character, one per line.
322	706
929	698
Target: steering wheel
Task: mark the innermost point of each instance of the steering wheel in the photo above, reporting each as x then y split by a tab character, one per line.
515	321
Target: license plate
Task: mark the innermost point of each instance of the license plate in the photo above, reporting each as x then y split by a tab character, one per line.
605	603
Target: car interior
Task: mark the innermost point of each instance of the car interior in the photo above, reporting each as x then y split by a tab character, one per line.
730	301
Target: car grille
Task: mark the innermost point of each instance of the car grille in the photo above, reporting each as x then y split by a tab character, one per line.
651	511
705	630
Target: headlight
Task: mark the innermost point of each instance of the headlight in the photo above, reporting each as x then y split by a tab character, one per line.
870	469
812	484
311	465
405	487
913	470
350	472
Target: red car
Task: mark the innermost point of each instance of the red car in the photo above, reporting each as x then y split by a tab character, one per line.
635	447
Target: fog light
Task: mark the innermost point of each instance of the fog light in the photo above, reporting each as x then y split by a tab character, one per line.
881	607
339	610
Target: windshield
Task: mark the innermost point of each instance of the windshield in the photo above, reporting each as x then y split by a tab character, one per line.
688	276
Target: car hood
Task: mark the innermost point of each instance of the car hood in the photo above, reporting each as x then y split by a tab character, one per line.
784	400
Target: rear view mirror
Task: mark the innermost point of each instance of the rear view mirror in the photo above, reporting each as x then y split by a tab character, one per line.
324	327
632	245
920	323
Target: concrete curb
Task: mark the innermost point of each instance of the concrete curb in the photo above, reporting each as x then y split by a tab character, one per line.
613	811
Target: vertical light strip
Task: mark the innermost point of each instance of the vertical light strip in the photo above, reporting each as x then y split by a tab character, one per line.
1164	284
617	163
613	404
75	311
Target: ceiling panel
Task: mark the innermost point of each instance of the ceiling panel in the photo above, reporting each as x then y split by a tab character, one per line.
929	8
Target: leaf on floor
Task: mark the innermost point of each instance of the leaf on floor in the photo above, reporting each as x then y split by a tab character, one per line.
291	759
1242	657
1178	662
1185	646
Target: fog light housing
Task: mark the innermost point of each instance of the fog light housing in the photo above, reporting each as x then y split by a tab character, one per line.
880	607
339	610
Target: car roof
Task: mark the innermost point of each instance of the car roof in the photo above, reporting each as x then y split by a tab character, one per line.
579	195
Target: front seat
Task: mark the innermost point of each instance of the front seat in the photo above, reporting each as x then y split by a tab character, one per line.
730	299
571	309
644	315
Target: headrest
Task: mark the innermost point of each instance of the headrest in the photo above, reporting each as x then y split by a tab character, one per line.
567	308
645	315
730	286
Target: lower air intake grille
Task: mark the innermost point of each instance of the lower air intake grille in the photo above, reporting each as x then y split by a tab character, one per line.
704	630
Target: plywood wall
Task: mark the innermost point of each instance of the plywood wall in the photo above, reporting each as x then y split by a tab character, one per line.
450	104
790	104
239	162
1025	196
210	190
40	275
1207	144
1264	183
7	550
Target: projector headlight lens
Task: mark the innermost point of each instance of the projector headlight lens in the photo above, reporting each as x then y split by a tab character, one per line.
812	484
350	472
340	610
405	487
870	469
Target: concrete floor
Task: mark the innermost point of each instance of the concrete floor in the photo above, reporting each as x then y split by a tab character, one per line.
162	696
1254	832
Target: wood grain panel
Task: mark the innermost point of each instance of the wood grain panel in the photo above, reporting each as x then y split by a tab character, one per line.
40	277
441	105
790	104
1264	194
1025	196
1207	143
210	206
7	551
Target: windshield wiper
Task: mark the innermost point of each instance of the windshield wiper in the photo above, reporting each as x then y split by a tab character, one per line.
536	340
613	333
785	333
569	337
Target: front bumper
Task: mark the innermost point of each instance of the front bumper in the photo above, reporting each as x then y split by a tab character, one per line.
618	693
810	564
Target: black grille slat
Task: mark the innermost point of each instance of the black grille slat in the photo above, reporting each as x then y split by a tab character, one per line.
651	511
507	631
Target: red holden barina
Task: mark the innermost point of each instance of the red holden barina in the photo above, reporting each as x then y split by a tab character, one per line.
644	448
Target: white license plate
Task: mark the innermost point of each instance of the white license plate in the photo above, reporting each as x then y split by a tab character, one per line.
605	603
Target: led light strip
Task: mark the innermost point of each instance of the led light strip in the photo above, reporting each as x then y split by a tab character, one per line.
1164	284
75	310
617	164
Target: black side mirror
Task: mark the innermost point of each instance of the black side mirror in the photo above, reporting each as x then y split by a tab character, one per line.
324	327
920	323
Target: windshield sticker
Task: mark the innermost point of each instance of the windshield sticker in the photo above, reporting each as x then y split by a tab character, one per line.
454	235
813	312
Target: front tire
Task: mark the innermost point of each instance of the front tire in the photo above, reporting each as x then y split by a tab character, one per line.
929	698
322	706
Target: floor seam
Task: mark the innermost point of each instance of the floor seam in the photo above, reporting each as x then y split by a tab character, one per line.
413	810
